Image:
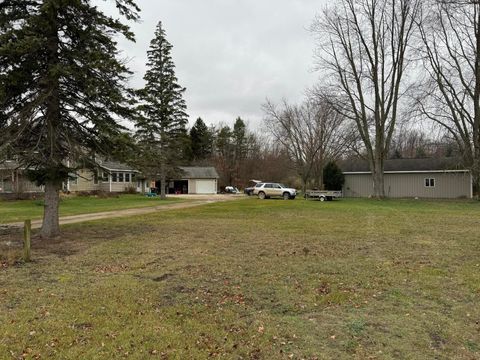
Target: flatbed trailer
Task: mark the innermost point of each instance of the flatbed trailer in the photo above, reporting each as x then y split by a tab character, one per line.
322	195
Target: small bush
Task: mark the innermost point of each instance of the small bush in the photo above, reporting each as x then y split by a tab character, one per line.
84	193
101	194
333	177
21	196
131	190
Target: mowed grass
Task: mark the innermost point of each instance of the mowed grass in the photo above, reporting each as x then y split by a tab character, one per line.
273	279
12	211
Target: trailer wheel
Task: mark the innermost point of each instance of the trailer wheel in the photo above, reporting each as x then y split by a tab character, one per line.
321	198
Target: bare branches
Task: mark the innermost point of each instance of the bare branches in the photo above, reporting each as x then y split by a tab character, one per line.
450	32
311	133
363	48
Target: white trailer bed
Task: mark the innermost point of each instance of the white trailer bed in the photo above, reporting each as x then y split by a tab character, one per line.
322	195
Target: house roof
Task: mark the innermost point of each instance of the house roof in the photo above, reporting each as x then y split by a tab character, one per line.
107	165
9	165
199	172
406	165
115	166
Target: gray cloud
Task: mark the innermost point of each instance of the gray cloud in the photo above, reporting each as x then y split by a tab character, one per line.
231	54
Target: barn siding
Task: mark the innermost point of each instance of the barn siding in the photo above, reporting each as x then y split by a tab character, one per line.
449	185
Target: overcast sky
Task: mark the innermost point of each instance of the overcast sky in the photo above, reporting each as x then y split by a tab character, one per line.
231	54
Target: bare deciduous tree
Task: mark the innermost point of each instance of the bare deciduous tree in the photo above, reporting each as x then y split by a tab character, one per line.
450	97
311	133
363	49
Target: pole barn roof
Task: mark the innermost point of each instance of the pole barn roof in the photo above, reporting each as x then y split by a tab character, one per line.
406	165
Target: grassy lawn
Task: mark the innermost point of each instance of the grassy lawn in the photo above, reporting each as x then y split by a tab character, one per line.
352	279
12	211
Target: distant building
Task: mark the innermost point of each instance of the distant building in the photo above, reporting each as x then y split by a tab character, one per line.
195	180
443	178
109	176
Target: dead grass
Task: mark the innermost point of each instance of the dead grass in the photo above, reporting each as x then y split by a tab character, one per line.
254	280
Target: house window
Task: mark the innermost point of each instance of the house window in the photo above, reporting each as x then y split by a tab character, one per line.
127	177
104	176
114	177
120	177
429	182
74	181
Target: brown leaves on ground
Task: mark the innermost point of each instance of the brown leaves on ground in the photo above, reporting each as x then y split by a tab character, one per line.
111	269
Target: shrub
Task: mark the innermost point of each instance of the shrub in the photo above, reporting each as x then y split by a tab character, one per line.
84	193
130	190
333	178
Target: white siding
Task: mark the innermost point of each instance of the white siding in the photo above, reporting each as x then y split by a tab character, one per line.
202	186
205	186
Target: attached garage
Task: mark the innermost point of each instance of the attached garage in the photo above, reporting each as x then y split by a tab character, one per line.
195	180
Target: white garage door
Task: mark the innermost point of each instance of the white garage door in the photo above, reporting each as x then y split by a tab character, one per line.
206	187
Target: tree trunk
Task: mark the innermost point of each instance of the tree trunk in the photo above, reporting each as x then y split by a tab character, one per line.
321	185
378	177
476	177
304	184
476	112
163	179
50	225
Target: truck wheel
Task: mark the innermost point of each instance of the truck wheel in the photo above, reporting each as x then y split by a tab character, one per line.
321	198
286	196
261	195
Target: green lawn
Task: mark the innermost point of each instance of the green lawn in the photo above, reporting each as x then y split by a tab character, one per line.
12	211
252	279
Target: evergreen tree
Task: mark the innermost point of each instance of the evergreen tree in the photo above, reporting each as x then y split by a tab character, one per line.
161	127
225	152
240	145
201	140
62	88
240	138
333	178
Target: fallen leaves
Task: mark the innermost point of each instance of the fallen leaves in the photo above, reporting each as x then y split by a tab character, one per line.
111	269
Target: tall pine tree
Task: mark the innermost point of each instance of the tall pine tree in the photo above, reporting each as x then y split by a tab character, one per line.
240	143
62	88
201	141
161	126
